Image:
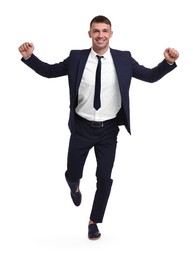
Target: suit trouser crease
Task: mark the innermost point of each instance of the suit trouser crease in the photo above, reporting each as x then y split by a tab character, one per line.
104	141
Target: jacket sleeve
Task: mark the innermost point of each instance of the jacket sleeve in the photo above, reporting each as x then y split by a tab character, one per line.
47	70
151	75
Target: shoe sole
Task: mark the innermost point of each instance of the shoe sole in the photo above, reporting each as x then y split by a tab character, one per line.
94	238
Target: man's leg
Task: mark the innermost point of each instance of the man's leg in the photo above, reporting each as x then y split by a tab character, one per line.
105	151
77	154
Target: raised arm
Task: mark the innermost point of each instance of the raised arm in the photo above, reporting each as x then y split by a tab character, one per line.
42	68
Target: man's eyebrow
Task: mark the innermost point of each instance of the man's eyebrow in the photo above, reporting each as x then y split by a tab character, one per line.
105	29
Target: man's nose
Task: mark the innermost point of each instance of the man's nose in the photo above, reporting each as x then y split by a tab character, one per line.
100	34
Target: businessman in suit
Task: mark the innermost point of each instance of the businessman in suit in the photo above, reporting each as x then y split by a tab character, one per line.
97	109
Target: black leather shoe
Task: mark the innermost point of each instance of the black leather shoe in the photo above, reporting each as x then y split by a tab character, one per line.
93	232
76	197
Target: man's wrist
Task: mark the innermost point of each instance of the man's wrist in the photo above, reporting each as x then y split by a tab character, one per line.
26	58
170	63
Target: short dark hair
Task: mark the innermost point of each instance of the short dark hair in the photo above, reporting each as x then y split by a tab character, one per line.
100	19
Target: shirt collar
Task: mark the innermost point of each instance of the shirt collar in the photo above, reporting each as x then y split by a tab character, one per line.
107	54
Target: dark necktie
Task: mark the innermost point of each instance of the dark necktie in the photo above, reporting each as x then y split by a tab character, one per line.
97	101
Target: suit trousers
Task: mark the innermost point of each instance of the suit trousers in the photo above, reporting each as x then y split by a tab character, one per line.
102	137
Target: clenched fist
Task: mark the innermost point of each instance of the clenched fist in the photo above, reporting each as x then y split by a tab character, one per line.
26	49
171	55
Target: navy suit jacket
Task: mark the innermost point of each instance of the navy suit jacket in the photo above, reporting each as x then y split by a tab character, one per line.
126	68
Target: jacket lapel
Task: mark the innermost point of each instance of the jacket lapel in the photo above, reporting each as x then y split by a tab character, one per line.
83	60
117	59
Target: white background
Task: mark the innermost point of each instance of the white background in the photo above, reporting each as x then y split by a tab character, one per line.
149	215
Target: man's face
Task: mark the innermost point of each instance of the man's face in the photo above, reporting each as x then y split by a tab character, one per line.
100	33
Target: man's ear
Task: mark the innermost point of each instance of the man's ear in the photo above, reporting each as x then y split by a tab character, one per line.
89	34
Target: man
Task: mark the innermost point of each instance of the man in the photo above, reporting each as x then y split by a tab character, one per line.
97	111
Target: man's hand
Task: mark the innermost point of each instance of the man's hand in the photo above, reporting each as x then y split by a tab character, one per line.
171	55
26	49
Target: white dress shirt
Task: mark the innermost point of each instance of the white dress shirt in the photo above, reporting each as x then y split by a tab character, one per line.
110	93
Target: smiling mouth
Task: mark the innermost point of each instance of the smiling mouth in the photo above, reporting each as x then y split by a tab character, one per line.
100	41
